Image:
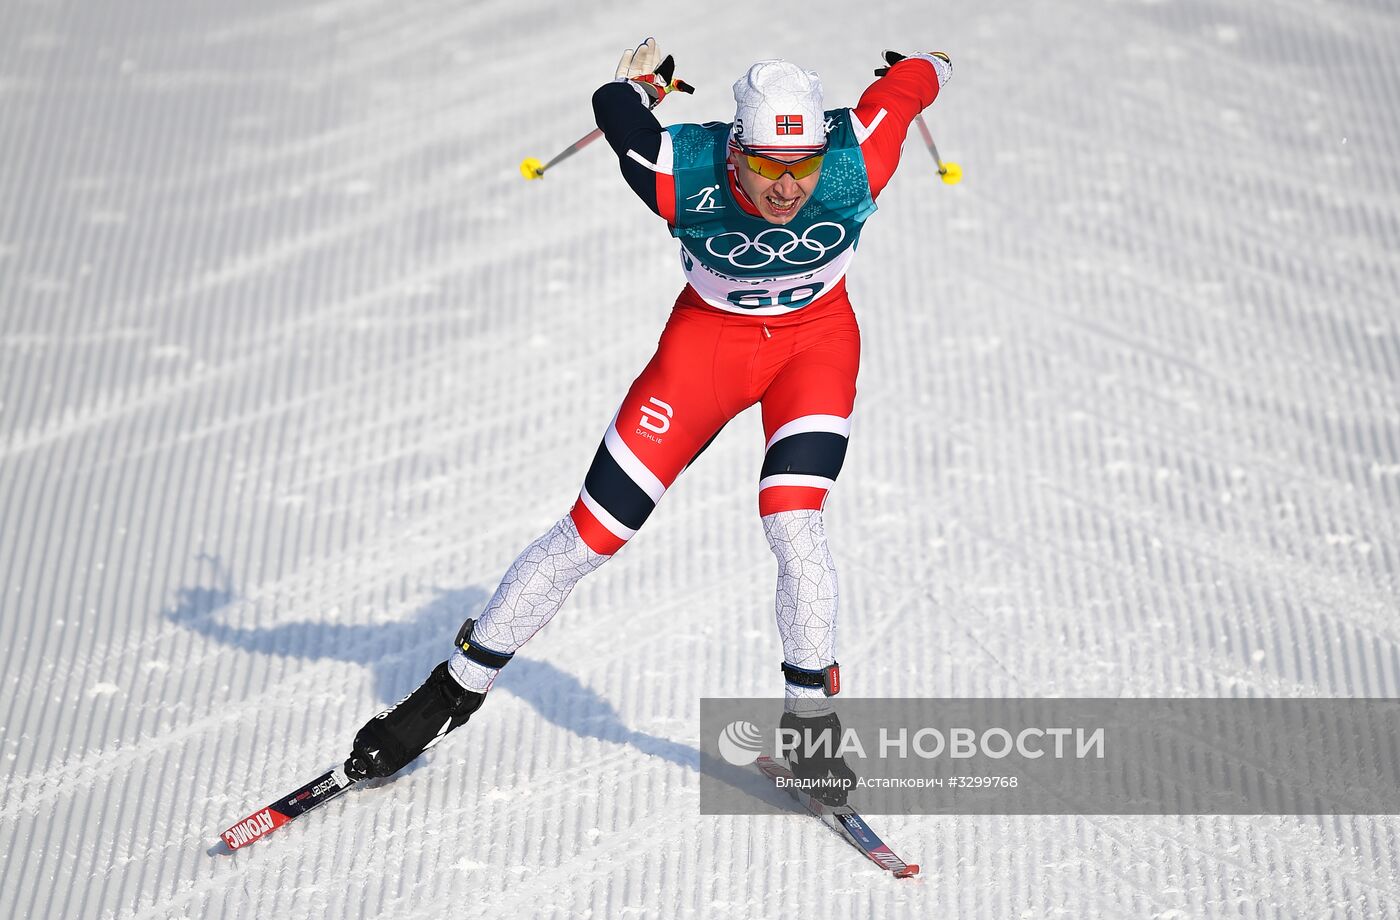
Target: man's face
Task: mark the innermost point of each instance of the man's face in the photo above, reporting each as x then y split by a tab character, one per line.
777	200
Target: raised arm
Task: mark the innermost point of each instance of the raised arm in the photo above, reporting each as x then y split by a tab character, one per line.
888	106
622	109
642	146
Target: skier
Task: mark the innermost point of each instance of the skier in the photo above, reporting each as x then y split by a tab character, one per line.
768	211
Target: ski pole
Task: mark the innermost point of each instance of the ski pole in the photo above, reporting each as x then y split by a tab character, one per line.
951	172
532	168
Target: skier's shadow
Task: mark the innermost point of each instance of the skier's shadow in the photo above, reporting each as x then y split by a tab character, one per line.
400	655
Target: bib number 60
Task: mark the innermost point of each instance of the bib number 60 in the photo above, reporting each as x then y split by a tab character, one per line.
792	298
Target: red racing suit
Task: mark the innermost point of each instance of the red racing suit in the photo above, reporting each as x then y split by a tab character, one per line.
711	364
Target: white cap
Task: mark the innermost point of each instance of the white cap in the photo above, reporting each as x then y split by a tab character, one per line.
779	108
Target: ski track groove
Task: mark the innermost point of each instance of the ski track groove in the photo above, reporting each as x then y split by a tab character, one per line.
1218	311
955	600
35	790
895	610
113	650
1282	570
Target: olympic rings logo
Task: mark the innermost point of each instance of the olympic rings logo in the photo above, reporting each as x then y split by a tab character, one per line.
779	243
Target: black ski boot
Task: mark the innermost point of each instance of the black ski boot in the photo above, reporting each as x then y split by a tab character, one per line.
824	773
392	739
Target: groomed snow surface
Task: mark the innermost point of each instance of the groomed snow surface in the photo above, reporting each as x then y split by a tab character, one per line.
293	362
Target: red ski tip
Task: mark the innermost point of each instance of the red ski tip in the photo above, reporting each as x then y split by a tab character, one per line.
253	827
907	871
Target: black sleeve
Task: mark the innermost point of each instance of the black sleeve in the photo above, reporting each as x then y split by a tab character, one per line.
628	125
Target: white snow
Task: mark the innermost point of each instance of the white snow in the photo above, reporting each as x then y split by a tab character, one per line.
292	362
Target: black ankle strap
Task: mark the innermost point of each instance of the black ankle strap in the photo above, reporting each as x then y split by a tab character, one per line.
480	654
828	678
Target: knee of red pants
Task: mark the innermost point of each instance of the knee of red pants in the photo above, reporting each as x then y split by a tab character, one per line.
594	532
807	423
620	490
666	418
801	461
773	499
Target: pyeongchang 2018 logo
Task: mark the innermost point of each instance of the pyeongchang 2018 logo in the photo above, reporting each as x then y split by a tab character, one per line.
777	244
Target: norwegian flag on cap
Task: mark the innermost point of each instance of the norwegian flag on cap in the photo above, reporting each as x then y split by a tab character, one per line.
789	124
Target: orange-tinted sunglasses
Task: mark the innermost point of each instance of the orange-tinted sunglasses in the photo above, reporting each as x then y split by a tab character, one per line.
772	169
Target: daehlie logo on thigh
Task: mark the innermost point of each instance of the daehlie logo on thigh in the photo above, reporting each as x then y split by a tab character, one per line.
654	420
777	244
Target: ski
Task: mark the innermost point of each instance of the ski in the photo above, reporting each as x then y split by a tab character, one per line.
844	821
266	820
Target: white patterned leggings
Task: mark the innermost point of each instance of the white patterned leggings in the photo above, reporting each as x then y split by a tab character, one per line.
540	579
